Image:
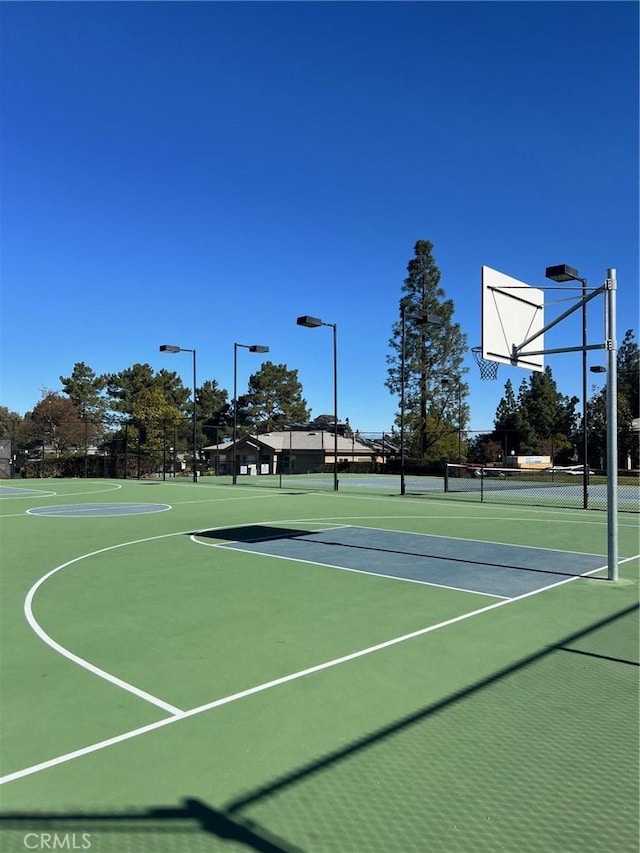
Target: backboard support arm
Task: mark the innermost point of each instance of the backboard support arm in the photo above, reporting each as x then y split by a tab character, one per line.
518	349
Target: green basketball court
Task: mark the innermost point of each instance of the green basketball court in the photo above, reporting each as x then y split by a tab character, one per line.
201	667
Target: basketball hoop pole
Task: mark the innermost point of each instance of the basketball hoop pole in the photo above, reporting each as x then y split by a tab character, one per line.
609	290
499	336
611	287
403	331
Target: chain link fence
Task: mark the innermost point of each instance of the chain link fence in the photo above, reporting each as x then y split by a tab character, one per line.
163	449
150	448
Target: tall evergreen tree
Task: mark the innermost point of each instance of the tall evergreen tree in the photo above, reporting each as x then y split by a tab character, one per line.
431	353
84	388
214	412
540	421
274	398
628	367
629	373
507	422
628	390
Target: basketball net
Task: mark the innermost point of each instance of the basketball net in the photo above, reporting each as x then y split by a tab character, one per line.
488	369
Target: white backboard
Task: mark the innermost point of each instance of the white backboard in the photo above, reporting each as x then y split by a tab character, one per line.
512	311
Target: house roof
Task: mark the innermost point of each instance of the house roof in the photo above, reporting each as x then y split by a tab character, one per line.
222	446
298	440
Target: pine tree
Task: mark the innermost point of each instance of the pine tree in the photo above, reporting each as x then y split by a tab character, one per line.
432	353
274	398
628	367
215	413
84	388
507	422
124	388
629	373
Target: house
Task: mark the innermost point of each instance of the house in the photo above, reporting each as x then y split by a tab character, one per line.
289	452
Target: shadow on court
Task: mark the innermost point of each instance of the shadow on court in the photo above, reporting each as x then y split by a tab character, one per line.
564	645
189	828
251	533
387	785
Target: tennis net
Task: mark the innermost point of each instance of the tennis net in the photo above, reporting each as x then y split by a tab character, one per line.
543	486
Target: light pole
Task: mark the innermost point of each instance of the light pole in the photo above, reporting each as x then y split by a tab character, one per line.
251	348
561	273
403	332
445	382
172	349
313	323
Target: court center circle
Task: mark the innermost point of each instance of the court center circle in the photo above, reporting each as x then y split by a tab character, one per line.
102	510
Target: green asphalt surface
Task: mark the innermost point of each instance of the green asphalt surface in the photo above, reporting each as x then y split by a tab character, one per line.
510	725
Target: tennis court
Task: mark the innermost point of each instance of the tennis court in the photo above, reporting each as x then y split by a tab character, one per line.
198	667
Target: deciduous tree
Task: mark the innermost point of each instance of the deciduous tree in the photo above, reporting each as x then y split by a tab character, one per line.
56	422
11	425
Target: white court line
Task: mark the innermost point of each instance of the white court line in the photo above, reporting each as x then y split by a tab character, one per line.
28	493
482	517
267	685
567	511
101	673
37	493
269	494
112	679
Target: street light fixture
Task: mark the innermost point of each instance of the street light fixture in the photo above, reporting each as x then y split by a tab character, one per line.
173	349
445	382
562	273
314	323
251	348
422	319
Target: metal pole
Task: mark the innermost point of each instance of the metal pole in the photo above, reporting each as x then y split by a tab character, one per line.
195	424
585	443
402	370
235	411
335	407
84	415
612	428
459	423
164	449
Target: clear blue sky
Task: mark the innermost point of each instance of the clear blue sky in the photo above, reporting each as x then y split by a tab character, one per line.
201	173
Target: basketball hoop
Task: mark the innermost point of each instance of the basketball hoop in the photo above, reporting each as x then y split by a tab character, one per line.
488	369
